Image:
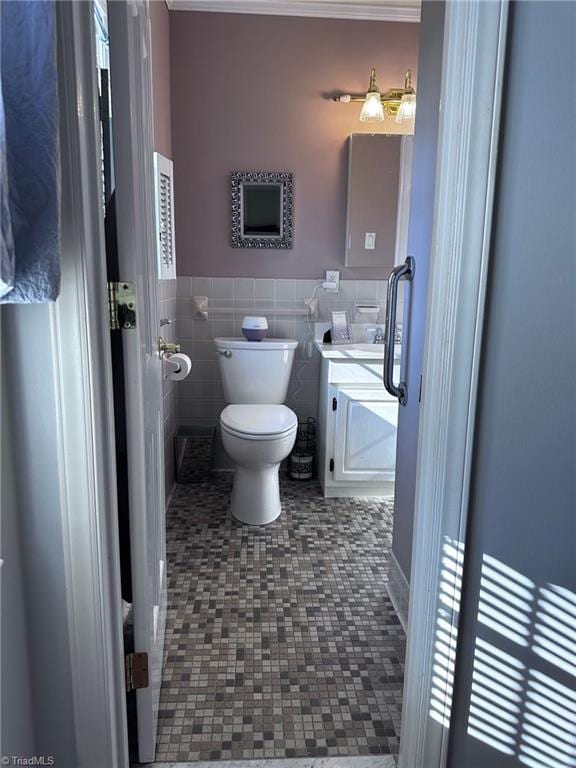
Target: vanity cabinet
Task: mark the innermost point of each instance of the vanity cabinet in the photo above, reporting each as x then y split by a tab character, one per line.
364	436
357	423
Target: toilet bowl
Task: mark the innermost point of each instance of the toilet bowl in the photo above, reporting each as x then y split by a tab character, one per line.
258	432
257	438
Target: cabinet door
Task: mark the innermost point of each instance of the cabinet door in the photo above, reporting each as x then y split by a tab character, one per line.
365	435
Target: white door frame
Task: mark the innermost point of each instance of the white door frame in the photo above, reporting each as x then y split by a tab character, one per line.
474	49
81	341
472	75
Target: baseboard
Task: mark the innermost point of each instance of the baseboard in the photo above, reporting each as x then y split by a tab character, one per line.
398	589
169	495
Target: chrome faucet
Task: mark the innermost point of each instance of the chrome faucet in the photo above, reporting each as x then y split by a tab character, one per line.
379	336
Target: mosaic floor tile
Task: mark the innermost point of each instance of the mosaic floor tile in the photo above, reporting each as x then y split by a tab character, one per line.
281	641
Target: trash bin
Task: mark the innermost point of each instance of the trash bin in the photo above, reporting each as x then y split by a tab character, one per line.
304	451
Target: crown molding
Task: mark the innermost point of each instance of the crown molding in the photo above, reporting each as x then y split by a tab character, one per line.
381	10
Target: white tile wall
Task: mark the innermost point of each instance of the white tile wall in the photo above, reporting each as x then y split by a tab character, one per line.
167	308
200	397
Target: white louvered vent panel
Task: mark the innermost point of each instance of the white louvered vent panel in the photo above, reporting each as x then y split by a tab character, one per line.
165	217
166	220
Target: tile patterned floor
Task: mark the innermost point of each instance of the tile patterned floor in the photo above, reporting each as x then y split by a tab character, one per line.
281	641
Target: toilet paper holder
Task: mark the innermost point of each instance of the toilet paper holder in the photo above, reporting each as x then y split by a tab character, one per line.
175	365
168	346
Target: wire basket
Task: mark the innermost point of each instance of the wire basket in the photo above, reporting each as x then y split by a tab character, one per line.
304	451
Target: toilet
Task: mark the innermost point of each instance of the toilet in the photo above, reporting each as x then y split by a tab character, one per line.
258	431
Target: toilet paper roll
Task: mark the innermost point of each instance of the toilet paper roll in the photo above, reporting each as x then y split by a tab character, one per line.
177	366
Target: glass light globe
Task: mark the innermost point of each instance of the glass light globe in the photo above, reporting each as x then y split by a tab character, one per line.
407	108
372	109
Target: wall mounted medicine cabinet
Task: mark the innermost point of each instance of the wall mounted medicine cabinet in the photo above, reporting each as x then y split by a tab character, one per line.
379	175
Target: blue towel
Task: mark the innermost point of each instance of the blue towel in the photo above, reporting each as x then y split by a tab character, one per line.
30	154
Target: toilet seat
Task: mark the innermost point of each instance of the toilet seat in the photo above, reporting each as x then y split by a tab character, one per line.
258	422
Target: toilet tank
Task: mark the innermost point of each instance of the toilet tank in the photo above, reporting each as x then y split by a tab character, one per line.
255	371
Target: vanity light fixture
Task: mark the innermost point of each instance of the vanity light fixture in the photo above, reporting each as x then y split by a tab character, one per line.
372	109
399	103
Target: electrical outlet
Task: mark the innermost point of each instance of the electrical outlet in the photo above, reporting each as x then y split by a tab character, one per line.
333	276
369	241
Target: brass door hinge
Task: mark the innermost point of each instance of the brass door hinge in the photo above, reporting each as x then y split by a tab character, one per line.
136	671
122	306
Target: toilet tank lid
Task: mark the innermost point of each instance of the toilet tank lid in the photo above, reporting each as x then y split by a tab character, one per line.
238	343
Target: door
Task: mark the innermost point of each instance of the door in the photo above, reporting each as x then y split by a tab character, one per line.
419	247
134	174
365	435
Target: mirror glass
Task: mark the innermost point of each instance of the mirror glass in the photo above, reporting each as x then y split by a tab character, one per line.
261	210
379	173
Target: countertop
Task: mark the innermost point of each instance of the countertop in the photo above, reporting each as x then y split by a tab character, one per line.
357	351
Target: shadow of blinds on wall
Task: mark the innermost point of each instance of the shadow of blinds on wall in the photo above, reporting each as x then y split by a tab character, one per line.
519	710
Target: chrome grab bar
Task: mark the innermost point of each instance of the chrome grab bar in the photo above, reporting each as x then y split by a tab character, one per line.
401	272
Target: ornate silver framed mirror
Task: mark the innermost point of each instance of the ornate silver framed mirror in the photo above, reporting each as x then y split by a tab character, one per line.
262	209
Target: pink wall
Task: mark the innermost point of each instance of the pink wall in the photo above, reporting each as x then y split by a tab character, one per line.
248	94
160	44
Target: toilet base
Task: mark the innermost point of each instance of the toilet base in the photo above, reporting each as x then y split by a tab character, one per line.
256	495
